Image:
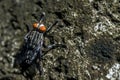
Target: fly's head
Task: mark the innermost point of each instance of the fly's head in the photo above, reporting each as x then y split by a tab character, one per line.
40	27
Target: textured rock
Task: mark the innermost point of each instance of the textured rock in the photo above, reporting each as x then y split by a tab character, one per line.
89	28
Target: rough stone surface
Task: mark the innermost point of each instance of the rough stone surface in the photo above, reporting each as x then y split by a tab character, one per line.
89	28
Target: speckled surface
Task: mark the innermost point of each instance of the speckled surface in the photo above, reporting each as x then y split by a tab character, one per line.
89	28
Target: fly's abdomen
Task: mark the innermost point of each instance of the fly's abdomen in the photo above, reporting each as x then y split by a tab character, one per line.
30	50
30	56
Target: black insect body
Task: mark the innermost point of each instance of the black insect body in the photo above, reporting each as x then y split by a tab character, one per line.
31	53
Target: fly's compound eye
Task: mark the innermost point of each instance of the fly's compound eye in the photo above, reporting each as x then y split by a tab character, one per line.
35	25
42	28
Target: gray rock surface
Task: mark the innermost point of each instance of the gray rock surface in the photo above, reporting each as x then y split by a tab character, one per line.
89	28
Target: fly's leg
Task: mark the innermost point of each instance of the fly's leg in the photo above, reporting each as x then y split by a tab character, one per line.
49	28
52	46
55	45
42	17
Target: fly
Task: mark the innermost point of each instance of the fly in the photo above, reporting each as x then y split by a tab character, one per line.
32	51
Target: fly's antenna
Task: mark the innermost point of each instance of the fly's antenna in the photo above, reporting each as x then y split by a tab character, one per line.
55	23
42	17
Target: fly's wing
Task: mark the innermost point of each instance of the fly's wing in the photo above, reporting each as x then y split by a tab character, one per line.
29	70
20	56
29	51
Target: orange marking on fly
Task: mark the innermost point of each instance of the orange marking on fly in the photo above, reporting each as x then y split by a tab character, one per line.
35	25
40	27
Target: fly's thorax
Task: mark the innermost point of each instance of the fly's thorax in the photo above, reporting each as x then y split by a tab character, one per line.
35	39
